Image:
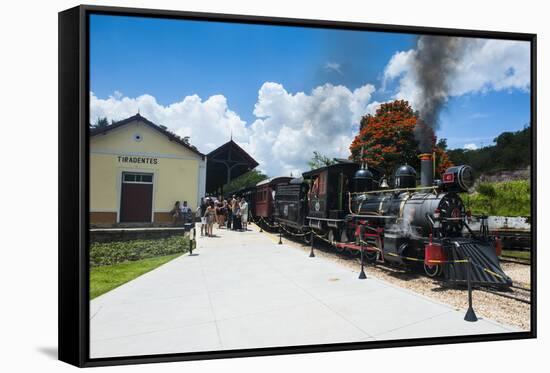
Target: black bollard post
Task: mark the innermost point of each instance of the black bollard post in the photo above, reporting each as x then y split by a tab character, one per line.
362	274
470	314
311	253
280	235
192	242
259	225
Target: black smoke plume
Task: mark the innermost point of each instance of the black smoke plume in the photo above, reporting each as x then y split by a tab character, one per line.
434	64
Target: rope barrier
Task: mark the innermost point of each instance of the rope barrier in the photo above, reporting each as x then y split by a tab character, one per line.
489	271
372	247
293	233
434	261
265	222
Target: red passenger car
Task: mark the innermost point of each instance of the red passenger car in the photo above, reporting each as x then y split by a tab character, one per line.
265	194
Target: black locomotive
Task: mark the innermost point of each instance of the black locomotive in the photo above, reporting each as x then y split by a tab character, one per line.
353	207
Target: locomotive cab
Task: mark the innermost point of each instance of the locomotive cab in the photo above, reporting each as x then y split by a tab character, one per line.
327	199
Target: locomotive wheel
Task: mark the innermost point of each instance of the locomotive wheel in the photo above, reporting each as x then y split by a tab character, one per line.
339	249
330	236
306	237
355	253
370	256
433	271
343	238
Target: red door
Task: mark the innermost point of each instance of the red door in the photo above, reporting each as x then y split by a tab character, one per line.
136	201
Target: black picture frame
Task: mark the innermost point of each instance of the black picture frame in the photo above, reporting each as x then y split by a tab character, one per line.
74	187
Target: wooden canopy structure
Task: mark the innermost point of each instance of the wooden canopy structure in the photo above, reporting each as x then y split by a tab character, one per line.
224	164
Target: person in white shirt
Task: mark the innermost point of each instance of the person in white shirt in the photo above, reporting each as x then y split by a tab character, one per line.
185	212
244	213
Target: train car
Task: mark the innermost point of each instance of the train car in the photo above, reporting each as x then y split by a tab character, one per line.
290	207
265	195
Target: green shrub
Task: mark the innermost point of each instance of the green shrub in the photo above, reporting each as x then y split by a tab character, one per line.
125	251
508	198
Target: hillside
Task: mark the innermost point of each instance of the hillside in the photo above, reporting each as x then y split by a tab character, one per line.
511	151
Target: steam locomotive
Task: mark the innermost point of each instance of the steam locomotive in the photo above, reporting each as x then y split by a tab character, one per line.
353	207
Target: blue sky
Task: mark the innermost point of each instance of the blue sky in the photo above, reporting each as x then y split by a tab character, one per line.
170	59
174	59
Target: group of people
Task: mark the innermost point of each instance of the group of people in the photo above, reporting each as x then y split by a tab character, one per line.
181	212
229	213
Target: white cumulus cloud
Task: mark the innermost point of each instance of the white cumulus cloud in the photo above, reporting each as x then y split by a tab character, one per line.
291	126
398	65
470	146
207	122
288	128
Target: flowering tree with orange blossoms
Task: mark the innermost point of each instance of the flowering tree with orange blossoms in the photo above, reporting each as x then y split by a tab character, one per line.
387	139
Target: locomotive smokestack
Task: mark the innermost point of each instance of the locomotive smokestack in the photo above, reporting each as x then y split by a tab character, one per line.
434	62
426	169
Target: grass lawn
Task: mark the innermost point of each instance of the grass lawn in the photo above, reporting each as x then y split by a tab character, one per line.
516	254
106	278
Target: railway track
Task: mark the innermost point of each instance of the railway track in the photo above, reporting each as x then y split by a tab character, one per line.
516	293
507	259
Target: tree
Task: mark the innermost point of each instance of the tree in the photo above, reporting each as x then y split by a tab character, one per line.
387	139
319	160
442	144
510	151
246	180
101	123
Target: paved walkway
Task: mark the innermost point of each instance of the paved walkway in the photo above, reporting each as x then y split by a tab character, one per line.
242	290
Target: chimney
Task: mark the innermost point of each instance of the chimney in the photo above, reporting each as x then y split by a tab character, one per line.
426	169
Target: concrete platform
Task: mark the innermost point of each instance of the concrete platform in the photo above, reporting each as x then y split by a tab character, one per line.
243	290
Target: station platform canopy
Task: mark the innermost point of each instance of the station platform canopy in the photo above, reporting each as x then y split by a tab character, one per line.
224	164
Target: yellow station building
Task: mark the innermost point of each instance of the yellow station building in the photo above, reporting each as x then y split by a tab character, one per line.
138	170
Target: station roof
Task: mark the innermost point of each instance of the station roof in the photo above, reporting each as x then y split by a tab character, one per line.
139	118
226	163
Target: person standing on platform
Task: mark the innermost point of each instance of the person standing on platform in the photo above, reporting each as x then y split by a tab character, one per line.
185	212
176	212
244	214
230	213
237	226
221	213
218	206
210	219
201	211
